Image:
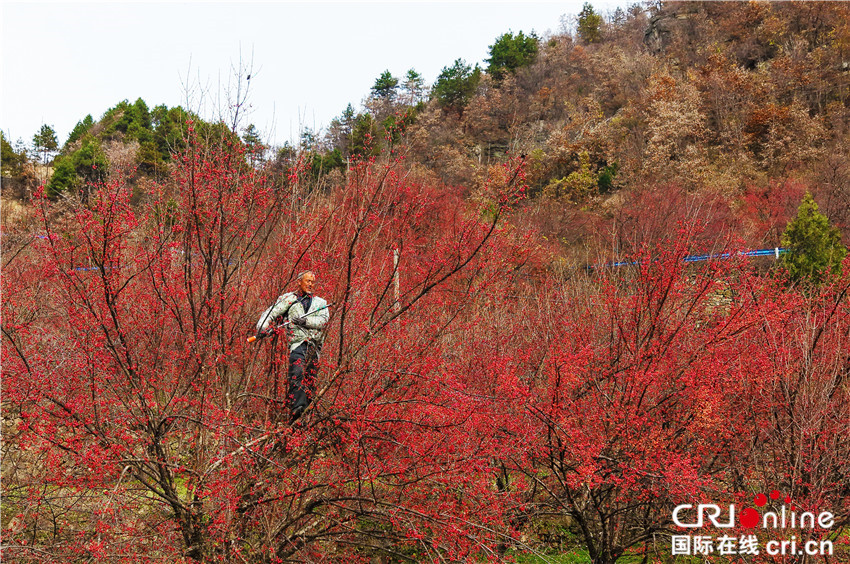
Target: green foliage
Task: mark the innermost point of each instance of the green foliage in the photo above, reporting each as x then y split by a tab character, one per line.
511	52
251	136
285	157
86	165
159	132
414	87
386	86
605	179
365	135
348	116
254	144
589	24
815	248
576	556
80	129
64	178
456	85
168	129
309	139
396	125
12	160
149	157
132	120
90	161
363	140
618	18
322	164
139	124
45	142
7	154
339	132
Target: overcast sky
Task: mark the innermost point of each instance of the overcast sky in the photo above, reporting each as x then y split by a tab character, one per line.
63	60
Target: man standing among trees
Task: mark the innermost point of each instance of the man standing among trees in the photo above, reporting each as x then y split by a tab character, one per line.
307	316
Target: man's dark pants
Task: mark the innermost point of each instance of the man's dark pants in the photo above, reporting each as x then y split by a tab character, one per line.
302	376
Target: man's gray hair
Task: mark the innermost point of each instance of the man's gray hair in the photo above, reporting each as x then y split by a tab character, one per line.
303	274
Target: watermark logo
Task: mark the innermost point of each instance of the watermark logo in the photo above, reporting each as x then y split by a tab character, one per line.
763	519
705	511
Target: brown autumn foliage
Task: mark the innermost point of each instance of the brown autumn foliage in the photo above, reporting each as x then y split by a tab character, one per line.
723	101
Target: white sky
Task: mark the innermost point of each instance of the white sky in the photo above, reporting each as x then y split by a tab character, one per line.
62	60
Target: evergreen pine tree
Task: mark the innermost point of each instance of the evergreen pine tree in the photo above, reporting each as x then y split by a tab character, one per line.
815	248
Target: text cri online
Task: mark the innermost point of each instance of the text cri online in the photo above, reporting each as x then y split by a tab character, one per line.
710	512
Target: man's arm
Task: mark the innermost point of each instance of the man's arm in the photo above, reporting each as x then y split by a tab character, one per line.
280	307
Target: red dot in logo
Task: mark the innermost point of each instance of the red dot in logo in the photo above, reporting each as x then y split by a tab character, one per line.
761	500
749	518
774	494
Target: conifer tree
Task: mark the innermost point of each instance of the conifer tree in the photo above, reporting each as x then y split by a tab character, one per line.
45	142
589	24
815	248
